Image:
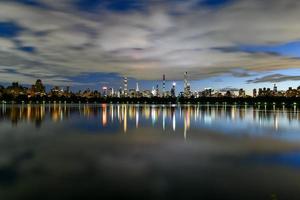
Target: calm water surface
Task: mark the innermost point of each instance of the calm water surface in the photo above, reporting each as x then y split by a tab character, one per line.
109	151
120	119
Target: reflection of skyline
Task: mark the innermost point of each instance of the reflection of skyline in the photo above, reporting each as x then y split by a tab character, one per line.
164	117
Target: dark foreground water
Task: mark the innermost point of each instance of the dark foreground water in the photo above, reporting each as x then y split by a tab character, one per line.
148	152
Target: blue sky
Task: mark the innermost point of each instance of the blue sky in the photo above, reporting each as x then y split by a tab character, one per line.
92	43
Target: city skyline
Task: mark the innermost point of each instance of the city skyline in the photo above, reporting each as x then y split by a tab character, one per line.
87	43
166	85
19	92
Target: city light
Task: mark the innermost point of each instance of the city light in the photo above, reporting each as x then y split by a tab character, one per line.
38	93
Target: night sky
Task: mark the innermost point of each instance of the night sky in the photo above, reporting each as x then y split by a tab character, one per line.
94	43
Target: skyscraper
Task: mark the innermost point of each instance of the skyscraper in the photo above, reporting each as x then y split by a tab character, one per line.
153	91
173	90
120	92
125	87
187	86
275	88
185	80
157	90
137	87
104	91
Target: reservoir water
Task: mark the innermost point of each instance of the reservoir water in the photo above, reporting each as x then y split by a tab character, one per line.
173	119
105	151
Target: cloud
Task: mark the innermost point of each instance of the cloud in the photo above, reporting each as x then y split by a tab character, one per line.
60	39
274	78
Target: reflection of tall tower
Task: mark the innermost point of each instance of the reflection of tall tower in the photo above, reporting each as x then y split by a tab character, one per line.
164	84
125	87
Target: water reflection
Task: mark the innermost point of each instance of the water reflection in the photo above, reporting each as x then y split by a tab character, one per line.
174	118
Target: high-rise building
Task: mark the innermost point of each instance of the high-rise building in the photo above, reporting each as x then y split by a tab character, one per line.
119	92
185	80
137	87
153	91
188	90
187	86
164	84
110	92
275	88
157	90
173	90
104	91
125	87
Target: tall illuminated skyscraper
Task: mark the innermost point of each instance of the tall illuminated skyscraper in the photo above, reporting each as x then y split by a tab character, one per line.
187	86
120	92
125	87
173	90
137	87
104	91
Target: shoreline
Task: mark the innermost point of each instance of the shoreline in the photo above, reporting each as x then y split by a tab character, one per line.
258	104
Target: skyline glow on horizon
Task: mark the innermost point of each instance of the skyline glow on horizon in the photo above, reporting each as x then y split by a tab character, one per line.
114	81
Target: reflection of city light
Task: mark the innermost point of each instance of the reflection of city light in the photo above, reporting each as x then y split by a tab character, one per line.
112	112
174	122
61	116
104	115
86	111
125	119
233	111
164	118
130	112
123	111
187	121
137	118
153	116
118	112
204	115
276	124
180	112
42	108
147	112
28	111
184	131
